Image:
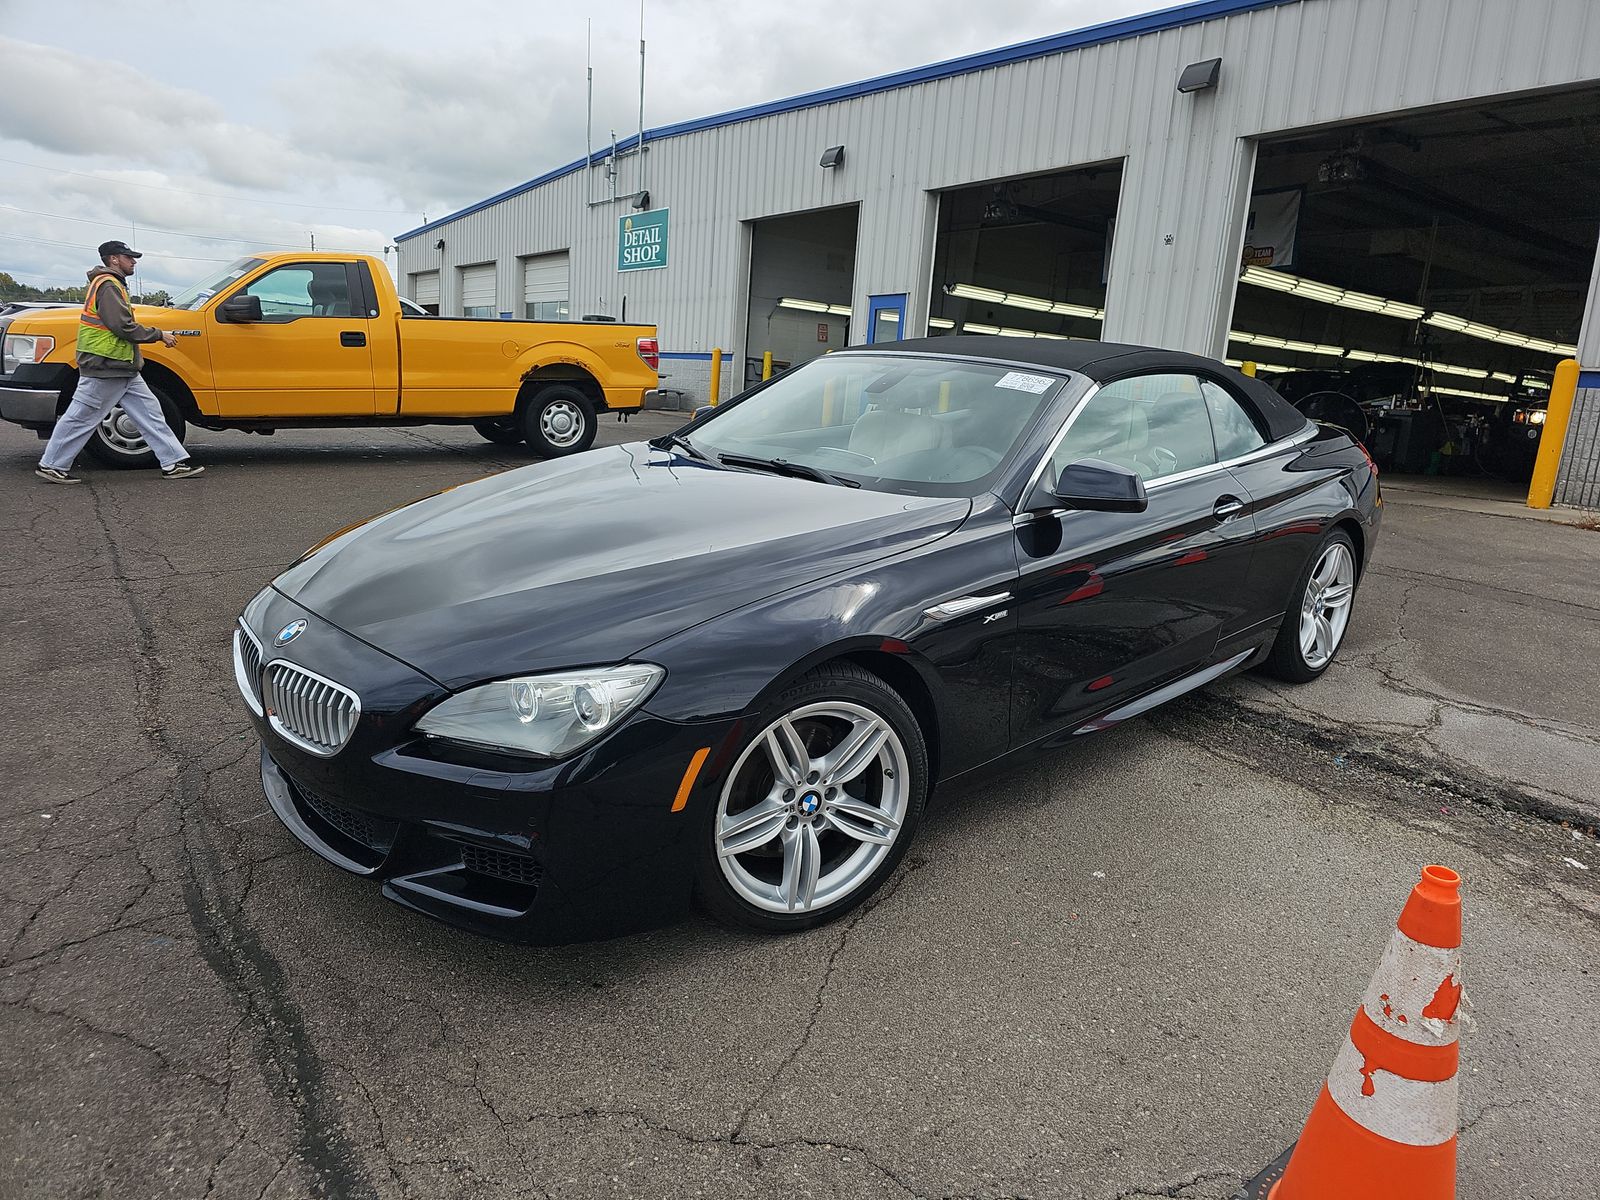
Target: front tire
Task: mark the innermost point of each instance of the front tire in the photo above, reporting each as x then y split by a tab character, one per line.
502	431
559	420
1318	614
819	807
118	443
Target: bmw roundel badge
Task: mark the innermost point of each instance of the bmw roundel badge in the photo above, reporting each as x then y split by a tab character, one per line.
289	632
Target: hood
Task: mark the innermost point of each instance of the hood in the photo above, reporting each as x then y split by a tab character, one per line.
590	559
101	270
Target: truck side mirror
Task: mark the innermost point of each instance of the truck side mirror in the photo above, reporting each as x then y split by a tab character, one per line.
240	310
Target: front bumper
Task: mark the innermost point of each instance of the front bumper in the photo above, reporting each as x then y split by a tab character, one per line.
537	852
31	394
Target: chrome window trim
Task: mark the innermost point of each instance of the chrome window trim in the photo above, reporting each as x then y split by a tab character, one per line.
239	677
290	735
1266	451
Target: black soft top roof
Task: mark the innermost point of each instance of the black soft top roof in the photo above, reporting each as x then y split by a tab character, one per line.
1102	361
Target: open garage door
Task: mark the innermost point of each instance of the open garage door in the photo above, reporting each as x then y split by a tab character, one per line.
1418	279
1026	257
802	269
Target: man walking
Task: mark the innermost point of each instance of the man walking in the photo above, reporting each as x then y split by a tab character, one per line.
108	374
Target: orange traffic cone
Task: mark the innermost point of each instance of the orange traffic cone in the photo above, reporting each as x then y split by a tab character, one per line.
1384	1126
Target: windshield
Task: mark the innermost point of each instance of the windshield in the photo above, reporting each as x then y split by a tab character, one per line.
891	422
208	287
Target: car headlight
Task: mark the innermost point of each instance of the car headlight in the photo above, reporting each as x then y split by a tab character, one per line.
545	715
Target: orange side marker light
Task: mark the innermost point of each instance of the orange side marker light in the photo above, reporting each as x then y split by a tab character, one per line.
689	776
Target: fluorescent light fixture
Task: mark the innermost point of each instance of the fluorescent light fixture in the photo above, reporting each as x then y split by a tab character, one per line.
941	323
992	329
969	291
1325	293
1504	336
1439	391
1269	368
816	306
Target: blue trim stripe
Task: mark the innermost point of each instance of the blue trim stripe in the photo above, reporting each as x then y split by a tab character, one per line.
685	355
1060	43
1589	379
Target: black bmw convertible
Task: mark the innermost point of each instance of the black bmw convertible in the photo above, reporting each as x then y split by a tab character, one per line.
732	664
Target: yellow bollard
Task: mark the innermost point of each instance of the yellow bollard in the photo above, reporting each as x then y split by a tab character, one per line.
1563	391
766	365
1248	368
716	375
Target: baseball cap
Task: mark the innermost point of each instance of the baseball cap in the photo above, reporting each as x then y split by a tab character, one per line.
107	249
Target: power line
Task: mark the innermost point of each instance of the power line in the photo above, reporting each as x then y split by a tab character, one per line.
75	246
100	179
143	228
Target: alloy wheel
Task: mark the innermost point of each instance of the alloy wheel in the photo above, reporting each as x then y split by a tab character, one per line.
1325	608
813	806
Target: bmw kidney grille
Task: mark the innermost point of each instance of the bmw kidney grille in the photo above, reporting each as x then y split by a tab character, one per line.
314	713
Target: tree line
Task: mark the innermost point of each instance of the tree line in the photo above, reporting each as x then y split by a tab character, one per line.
10	289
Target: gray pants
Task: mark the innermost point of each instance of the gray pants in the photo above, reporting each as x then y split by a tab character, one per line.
90	404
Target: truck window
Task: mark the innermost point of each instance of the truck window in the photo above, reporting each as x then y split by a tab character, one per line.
303	290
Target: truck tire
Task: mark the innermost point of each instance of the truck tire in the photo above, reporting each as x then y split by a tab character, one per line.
559	420
116	443
502	431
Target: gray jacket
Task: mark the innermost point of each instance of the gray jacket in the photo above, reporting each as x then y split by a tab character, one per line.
111	308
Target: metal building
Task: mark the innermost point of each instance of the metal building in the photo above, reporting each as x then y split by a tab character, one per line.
1317	185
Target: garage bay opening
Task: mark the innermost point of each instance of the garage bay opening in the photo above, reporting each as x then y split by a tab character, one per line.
802	269
1418	279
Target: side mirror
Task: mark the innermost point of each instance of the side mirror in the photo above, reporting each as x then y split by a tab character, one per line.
240	309
1097	486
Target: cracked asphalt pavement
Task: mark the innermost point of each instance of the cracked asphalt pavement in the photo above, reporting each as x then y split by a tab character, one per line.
1122	971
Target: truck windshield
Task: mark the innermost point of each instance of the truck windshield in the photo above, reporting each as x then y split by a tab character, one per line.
194	297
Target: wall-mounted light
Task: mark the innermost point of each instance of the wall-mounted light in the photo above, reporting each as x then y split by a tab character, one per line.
439	245
833	156
1200	76
642	200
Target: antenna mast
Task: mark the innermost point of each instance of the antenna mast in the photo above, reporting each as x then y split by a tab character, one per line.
641	95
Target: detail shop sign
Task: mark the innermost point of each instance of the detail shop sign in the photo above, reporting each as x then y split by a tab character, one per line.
642	241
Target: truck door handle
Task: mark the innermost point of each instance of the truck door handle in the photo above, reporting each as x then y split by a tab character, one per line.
1227	506
352	339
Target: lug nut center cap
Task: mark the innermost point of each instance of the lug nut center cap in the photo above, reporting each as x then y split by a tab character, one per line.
809	803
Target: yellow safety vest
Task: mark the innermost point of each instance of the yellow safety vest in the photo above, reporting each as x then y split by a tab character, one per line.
93	336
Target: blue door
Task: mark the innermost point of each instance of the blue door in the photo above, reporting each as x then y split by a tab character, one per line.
886	316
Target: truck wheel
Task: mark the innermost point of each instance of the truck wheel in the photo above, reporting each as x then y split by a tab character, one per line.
503	431
559	420
117	442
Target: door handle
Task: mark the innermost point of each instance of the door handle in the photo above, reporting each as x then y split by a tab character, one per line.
352	339
1227	506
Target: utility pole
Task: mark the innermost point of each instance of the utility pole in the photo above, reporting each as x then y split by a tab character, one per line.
313	237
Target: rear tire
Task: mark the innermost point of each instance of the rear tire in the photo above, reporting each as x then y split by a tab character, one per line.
502	431
819	807
559	420
116	443
1318	613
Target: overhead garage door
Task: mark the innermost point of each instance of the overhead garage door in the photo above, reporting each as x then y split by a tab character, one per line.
544	287
425	290
477	291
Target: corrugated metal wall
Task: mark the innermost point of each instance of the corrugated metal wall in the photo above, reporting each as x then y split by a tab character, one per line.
1188	160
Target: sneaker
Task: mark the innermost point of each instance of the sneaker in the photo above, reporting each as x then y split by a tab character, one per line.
54	475
180	470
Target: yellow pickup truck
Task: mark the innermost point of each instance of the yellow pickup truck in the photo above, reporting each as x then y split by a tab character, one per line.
281	341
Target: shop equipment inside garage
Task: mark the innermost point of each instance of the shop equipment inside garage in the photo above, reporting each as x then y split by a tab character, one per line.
1416	279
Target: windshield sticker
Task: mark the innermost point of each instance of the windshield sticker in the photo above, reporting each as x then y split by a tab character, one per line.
1018	381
